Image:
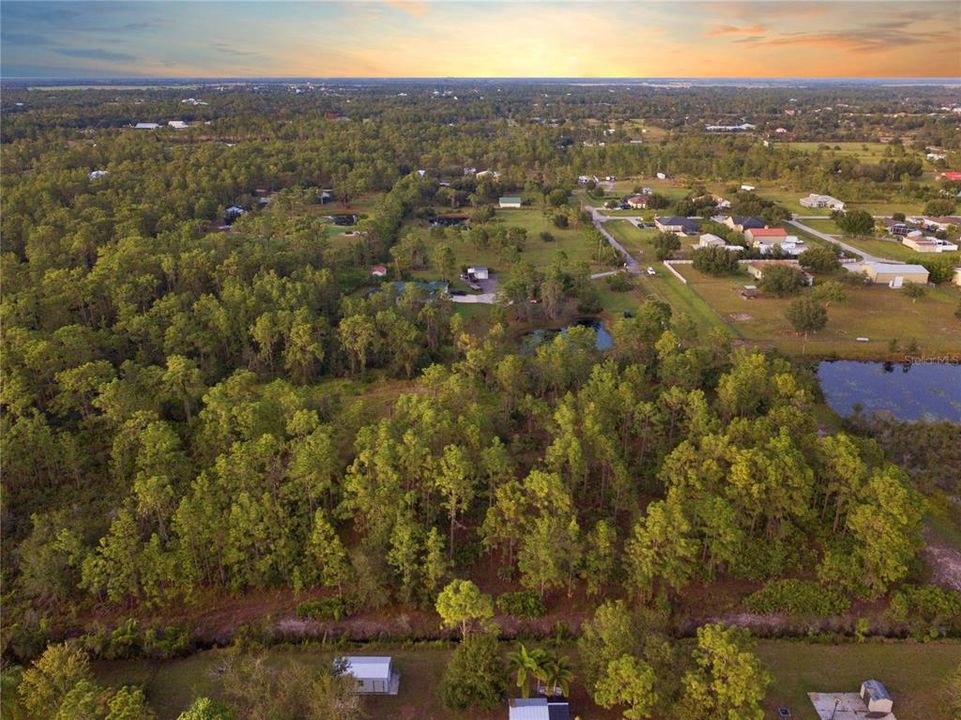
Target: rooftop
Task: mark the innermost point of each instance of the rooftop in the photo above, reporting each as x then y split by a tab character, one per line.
368	667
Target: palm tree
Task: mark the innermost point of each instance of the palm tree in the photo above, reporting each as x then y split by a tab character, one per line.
557	673
527	664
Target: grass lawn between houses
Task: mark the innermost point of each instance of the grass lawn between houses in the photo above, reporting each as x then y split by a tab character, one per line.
914	673
572	241
876	312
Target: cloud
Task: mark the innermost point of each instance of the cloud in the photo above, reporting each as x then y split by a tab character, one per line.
417	9
30	39
734	30
226	49
96	54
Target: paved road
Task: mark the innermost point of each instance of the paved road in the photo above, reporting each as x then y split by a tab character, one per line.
630	263
847	248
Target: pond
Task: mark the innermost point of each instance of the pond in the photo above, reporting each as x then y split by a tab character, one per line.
603	339
909	391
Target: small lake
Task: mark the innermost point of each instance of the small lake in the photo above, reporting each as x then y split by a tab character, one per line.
909	391
603	339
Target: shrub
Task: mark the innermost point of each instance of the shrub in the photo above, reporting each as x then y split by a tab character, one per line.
328	608
797	597
560	221
820	259
525	604
666	244
546	236
619	283
474	677
781	280
715	261
942	206
929	609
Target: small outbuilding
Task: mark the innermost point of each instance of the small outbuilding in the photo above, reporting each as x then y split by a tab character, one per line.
876	696
375	674
509	201
538	708
478	272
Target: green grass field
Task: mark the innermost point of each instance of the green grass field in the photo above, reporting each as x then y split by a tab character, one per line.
914	673
683	301
895	250
867	151
876	312
572	242
637	242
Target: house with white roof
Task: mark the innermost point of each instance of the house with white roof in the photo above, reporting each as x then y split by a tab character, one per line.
821	201
538	708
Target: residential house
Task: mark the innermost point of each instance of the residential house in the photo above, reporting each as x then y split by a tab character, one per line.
944	222
146	126
898	228
765	240
744	222
677	225
95	174
711	240
478	272
661	176
375	674
538	708
509	201
178	124
821	201
637	201
743	127
950	175
928	244
720	202
894	275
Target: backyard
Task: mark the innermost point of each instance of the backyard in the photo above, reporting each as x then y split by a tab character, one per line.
914	673
875	312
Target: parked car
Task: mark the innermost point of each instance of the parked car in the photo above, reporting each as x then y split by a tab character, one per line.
651	271
459	293
475	286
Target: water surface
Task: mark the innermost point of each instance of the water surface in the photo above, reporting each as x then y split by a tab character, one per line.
918	391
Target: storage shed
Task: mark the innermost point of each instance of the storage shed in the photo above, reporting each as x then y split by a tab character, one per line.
374	674
876	696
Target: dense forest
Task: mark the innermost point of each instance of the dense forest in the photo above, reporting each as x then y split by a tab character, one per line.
193	412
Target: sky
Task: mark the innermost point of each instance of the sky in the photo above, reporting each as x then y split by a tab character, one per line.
488	38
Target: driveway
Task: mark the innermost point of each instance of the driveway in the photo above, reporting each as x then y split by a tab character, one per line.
629	262
847	248
487	296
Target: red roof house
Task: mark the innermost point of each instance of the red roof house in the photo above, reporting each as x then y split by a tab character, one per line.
950	175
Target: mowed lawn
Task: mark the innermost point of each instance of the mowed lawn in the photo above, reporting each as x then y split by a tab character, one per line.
573	242
914	673
636	241
875	312
896	251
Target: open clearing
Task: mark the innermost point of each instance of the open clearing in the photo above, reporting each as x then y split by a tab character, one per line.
914	673
876	312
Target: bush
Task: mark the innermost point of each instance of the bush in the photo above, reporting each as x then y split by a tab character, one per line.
474	677
820	259
666	244
328	608
560	221
942	206
807	315
546	236
619	283
781	279
715	261
525	604
930	610
797	597
855	222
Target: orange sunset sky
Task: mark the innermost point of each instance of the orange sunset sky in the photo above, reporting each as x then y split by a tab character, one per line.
480	39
